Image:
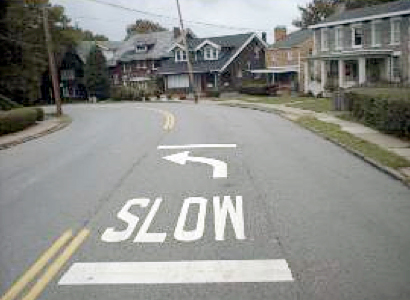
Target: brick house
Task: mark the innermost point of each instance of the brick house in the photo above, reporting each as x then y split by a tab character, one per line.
219	63
365	46
286	58
136	61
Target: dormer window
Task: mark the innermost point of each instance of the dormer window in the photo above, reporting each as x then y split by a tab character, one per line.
140	48
180	55
210	53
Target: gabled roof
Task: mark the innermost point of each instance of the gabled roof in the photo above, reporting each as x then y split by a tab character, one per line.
389	9
231	46
293	39
207	42
159	43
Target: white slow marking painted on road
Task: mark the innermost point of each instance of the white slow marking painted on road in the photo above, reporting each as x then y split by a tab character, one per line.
195	234
206	271
195	146
220	168
221	213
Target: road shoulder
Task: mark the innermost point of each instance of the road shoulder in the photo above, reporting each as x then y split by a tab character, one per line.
33	132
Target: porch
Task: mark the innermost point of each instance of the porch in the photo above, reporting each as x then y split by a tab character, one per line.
346	71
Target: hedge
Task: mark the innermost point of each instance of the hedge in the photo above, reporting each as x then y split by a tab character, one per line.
17	119
213	94
254	90
388	113
7	104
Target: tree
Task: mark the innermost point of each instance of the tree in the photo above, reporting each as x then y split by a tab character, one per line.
318	10
23	59
314	12
143	26
96	74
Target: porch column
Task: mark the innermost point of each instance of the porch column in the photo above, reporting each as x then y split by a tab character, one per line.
342	73
362	70
216	85
323	74
306	79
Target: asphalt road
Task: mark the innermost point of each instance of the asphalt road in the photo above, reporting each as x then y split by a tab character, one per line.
304	218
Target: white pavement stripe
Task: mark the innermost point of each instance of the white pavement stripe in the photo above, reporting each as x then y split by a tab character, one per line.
193	146
206	271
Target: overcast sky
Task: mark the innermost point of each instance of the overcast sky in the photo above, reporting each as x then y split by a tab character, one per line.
254	15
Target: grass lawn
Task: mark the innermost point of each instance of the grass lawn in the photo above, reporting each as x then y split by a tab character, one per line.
372	151
315	104
308	103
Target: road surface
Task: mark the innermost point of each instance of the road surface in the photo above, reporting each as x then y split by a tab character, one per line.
184	201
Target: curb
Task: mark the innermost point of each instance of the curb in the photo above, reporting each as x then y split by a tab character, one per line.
57	127
387	170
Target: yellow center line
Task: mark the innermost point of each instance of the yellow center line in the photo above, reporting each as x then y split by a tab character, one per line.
53	269
41	262
169	122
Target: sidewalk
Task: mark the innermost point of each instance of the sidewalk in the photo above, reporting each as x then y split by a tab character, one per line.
385	141
38	130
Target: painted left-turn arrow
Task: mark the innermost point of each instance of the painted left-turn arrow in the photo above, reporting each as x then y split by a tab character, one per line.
220	168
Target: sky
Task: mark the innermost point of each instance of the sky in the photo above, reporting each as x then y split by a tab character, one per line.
244	15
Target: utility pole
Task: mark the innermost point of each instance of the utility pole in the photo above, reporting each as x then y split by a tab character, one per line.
51	63
188	59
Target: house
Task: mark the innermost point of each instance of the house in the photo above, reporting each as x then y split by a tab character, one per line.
364	46
218	63
135	62
71	67
286	58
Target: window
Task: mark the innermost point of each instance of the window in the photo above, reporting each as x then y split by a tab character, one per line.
377	33
339	38
210	53
395	31
396	69
357	37
325	39
180	55
140	48
257	51
290	56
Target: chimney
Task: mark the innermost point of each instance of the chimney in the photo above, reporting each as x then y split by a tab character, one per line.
280	33
264	36
177	32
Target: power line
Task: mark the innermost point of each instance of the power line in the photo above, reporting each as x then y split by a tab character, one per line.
118	6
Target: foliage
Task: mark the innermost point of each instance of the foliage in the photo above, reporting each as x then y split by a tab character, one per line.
96	74
213	94
7	104
24	60
388	113
254	90
143	26
314	12
127	93
40	113
318	10
17	119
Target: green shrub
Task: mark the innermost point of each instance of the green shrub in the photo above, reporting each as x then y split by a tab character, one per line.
7	103
212	94
255	90
40	113
388	113
17	119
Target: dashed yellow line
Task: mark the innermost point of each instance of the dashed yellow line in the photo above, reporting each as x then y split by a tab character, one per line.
42	261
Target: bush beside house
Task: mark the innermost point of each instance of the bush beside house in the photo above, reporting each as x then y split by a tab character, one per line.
19	119
387	113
